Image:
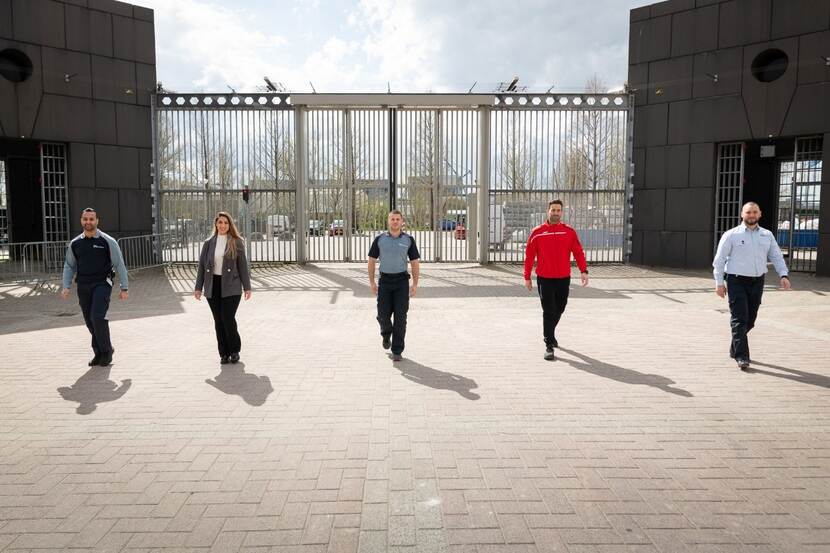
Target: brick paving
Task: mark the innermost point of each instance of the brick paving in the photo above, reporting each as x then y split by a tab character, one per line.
642	437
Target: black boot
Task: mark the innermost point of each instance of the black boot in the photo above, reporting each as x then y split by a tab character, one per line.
95	360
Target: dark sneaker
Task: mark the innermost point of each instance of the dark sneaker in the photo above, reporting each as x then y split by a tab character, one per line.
224	360
743	364
387	342
549	355
555	343
397	357
234	357
95	360
106	359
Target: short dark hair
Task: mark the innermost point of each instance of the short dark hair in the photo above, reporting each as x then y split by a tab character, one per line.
89	210
396	212
555	202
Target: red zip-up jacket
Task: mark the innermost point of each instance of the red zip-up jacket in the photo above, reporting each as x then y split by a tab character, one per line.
553	245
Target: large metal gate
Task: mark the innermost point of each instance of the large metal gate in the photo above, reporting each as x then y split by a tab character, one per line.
472	173
799	196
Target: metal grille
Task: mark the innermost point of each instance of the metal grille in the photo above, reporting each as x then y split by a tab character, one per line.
4	206
466	170
799	198
207	149
729	188
576	156
55	196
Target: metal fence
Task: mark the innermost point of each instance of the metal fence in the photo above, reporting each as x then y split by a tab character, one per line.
43	261
472	173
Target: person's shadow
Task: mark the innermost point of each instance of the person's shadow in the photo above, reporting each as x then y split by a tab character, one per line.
439	380
233	380
620	374
790	374
92	388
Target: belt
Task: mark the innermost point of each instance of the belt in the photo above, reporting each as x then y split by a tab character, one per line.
395	275
744	276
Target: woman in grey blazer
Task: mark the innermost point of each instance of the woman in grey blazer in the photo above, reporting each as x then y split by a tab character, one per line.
223	261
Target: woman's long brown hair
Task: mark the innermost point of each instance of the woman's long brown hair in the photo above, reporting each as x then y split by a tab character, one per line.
230	251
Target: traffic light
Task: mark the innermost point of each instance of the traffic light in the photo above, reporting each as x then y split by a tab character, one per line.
245	194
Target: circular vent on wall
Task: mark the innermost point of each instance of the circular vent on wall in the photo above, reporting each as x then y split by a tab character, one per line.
15	65
770	65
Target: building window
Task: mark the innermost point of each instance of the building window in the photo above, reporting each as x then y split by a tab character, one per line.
15	65
770	65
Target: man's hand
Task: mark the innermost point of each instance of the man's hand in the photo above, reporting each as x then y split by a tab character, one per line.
374	287
413	290
721	291
123	295
529	285
198	295
65	293
584	277
785	283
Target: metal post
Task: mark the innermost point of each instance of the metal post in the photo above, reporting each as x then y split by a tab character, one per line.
348	185
484	114
155	191
628	200
301	186
793	188
437	167
392	125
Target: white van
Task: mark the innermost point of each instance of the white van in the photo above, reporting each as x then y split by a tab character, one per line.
498	234
278	226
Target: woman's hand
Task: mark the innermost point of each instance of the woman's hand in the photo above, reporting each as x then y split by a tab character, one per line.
247	295
198	295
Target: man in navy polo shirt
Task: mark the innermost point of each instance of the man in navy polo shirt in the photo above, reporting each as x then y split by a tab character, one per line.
395	249
93	258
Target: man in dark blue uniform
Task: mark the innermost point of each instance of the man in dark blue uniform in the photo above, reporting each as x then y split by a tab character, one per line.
395	249
93	258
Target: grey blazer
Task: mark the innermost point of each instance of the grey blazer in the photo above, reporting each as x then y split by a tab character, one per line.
235	273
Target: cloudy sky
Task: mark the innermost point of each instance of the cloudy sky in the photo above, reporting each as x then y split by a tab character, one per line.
415	45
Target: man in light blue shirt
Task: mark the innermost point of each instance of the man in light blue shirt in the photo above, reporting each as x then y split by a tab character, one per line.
740	265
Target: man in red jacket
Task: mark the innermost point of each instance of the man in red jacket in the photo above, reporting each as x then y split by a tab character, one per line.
551	245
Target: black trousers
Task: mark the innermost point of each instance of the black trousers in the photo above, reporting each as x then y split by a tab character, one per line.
224	319
94	299
744	300
393	299
553	293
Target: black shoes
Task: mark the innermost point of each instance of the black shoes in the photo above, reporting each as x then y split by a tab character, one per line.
106	359
397	357
555	343
224	360
387	342
234	357
95	360
743	363
549	355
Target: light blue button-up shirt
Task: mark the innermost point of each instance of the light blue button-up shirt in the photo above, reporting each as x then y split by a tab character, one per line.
745	252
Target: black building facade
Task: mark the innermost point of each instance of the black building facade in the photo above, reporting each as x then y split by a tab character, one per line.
732	105
75	128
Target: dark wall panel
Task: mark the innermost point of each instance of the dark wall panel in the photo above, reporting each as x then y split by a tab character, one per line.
796	17
649	40
113	79
663	248
82	165
671	6
744	22
726	65
702	165
812	49
656	167
145	163
89	31
60	66
639	168
637	247
650	125
671	80
39	22
120	8
29	92
134	126
80	198
8	109
719	119
135	210
823	262
106	206
767	103
677	166
145	83
699	246
6	30
694	31
638	81
649	207
810	110
116	167
689	209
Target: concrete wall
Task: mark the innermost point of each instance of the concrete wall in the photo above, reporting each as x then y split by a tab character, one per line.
682	113
102	112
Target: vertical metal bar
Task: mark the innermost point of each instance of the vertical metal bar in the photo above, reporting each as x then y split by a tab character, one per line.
628	194
484	116
300	167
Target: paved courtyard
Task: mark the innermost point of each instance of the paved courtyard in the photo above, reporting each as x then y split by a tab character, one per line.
642	436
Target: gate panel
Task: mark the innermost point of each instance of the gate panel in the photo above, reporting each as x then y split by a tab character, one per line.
729	188
799	198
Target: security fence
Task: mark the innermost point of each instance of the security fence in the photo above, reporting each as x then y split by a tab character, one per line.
312	177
